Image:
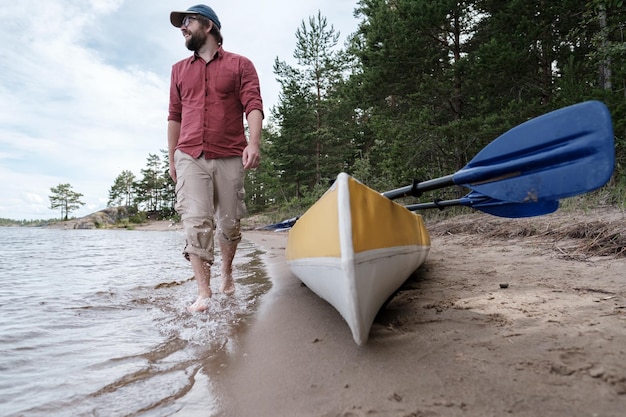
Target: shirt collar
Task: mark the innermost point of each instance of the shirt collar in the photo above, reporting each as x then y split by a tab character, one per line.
217	55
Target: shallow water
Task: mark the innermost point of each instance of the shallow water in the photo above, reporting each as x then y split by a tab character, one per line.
93	322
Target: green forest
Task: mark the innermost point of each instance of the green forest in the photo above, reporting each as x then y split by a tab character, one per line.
418	90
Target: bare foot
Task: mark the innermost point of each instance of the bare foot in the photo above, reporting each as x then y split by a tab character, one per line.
201	304
228	284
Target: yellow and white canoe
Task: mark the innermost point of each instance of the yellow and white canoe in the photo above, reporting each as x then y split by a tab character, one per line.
354	248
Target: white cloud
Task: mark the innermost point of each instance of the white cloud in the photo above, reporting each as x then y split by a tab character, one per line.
84	86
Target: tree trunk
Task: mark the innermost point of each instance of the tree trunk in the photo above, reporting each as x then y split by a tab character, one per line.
605	64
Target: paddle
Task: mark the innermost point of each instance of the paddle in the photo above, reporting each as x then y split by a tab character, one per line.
560	154
525	171
492	206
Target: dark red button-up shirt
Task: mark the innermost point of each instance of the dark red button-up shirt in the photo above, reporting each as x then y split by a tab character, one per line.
210	99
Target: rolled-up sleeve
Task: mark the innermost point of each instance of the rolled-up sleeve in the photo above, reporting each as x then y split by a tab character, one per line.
250	93
175	106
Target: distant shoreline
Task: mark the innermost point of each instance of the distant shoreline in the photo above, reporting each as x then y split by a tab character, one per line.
119	218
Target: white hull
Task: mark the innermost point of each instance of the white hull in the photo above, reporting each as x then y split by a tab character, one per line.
380	273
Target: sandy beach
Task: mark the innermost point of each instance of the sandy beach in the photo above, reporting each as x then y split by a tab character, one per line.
453	342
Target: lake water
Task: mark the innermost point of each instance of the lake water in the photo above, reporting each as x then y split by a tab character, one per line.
93	323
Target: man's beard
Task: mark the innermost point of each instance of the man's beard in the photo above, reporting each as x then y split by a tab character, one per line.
196	41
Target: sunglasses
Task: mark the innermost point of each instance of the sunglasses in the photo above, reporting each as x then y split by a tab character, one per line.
187	20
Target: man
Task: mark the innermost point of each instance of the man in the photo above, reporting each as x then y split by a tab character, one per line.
208	151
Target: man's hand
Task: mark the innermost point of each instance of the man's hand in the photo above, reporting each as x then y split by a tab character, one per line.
173	133
251	156
173	171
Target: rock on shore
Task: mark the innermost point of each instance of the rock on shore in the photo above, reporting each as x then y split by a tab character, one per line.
108	217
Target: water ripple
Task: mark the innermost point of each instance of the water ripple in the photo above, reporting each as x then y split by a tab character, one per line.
94	322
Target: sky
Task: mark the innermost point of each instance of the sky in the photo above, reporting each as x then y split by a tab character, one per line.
84	86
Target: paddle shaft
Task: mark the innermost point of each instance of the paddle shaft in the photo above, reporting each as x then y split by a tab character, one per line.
416	189
435	204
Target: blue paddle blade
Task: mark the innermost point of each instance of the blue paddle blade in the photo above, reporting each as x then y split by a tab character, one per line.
561	154
494	207
507	208
284	225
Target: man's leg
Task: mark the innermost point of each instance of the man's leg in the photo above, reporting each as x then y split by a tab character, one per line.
202	273
228	250
230	208
194	203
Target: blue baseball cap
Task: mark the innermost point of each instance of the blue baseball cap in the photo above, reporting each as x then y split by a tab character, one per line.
177	17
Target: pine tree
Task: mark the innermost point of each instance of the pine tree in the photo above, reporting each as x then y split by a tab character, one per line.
411	86
148	188
122	190
307	151
66	199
